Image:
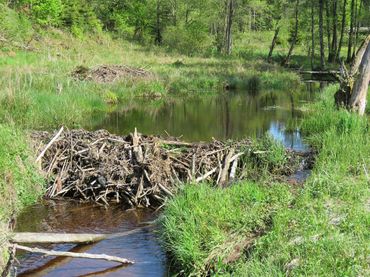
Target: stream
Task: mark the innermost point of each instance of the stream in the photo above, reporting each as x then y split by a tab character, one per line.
231	115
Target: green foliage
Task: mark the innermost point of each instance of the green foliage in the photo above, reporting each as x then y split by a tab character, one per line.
46	12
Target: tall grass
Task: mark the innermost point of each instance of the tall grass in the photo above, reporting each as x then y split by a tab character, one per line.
321	229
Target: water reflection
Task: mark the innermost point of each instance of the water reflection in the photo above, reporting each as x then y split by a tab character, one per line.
231	115
141	246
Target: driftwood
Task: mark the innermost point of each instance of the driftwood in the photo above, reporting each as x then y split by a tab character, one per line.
73	254
28	237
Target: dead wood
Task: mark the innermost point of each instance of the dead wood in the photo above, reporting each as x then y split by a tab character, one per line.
134	170
73	254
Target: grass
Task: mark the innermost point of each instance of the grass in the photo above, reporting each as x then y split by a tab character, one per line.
321	229
20	183
30	80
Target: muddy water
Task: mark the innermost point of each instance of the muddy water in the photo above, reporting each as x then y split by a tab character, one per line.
230	115
142	246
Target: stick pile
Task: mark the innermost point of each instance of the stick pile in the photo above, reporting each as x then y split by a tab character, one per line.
136	170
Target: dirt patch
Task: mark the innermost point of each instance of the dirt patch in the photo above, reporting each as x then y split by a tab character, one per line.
110	73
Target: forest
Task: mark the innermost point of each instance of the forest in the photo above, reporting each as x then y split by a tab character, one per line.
184	138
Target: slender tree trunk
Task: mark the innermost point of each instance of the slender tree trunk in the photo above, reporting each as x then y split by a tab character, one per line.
158	36
334	44
328	32
342	30
229	22
358	14
350	37
312	34
273	43
295	35
321	31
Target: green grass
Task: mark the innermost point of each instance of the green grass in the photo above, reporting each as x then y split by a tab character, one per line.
20	182
321	229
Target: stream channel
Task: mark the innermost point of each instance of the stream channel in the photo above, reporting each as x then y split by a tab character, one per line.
231	115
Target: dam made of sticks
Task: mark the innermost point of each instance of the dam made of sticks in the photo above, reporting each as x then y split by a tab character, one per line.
142	171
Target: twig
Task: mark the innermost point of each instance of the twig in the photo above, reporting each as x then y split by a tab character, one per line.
49	144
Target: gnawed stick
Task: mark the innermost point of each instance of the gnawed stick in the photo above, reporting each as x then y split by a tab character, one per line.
49	144
73	254
205	176
225	169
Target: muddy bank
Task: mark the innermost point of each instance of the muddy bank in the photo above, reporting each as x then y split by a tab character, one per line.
142	171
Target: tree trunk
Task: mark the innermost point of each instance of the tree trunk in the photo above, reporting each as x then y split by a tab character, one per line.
229	22
342	30
350	38
273	43
360	88
334	44
158	33
312	35
354	84
321	31
328	32
295	35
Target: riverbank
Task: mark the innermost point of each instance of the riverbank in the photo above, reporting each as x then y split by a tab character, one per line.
273	229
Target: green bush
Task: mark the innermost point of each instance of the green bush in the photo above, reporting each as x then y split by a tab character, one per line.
47	12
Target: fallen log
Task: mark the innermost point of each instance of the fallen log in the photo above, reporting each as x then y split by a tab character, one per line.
28	237
73	254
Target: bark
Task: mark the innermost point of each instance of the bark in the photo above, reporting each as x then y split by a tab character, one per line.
360	89
73	254
229	22
273	43
321	31
334	44
295	35
328	32
351	29
343	26
312	34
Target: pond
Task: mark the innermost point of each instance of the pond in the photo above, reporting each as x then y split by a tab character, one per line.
230	115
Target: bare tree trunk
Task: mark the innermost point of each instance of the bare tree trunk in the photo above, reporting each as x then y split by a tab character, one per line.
342	30
295	35
334	44
229	22
321	31
354	84
350	38
360	88
273	43
312	34
158	33
328	32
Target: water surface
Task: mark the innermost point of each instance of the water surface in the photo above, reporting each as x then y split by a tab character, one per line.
230	115
71	217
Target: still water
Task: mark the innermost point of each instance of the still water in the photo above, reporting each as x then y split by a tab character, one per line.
231	115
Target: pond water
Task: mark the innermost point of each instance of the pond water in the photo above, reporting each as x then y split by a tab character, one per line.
230	115
71	217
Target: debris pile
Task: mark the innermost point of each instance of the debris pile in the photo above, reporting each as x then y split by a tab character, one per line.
110	73
136	170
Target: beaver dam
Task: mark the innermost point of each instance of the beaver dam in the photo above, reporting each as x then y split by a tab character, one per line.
142	171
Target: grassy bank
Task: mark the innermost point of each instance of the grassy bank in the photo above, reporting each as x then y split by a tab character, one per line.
321	229
20	183
37	89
